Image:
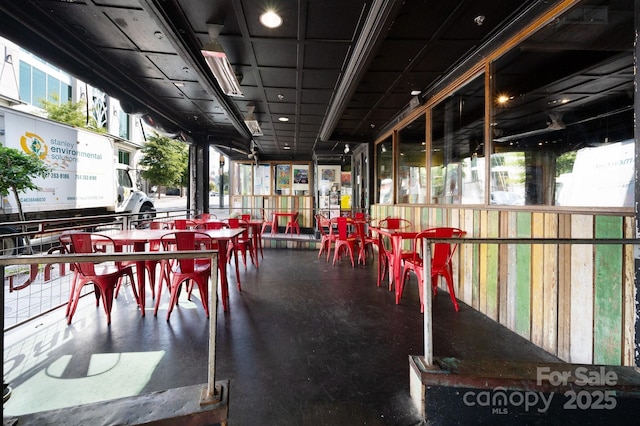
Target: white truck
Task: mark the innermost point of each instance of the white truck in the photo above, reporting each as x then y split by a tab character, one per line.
85	179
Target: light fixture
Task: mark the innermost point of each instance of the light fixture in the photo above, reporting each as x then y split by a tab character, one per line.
346	149
283	119
415	92
252	123
383	148
219	64
286	147
271	19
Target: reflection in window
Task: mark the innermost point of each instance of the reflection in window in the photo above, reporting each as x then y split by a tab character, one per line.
563	112
384	171
242	178
412	169
457	147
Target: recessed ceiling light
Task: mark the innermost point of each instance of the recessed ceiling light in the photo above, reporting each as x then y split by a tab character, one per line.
270	19
283	119
415	92
286	147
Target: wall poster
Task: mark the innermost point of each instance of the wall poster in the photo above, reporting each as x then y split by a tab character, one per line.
283	179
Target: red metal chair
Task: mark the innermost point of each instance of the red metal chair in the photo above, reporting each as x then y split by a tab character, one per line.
266	221
327	236
243	243
194	271
385	245
343	241
105	276
182	224
441	265
151	265
293	225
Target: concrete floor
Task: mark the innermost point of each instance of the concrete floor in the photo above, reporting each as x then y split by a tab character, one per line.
304	343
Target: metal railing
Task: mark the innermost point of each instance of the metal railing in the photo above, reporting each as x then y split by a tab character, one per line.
32	262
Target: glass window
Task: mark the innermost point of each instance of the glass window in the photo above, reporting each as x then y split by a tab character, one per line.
457	146
65	93
25	82
242	183
123	124
124	157
262	181
563	112
412	163
53	89
39	87
384	171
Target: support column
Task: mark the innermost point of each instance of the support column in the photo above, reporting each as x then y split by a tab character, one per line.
636	108
199	175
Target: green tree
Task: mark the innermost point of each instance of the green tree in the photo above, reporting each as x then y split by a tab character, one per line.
71	113
166	161
17	171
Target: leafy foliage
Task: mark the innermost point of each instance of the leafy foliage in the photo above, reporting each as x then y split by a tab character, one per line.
166	161
17	171
71	113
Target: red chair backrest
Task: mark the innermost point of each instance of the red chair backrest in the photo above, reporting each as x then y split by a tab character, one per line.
245	217
182	224
322	223
343	232
184	241
442	252
83	242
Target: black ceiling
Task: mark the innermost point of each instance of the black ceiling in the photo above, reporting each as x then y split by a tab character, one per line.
340	70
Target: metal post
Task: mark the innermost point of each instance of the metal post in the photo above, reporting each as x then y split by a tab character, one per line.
221	182
427	300
211	394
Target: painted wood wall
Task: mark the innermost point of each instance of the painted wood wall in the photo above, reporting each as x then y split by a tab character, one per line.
575	301
254	204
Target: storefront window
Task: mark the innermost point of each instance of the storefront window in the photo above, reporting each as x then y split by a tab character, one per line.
457	147
242	178
384	171
563	112
262	180
412	164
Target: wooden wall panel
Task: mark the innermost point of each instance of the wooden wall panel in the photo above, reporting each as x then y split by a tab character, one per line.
607	315
574	300
483	266
523	277
629	294
537	283
493	226
476	260
466	253
512	272
564	288
503	253
550	285
581	350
